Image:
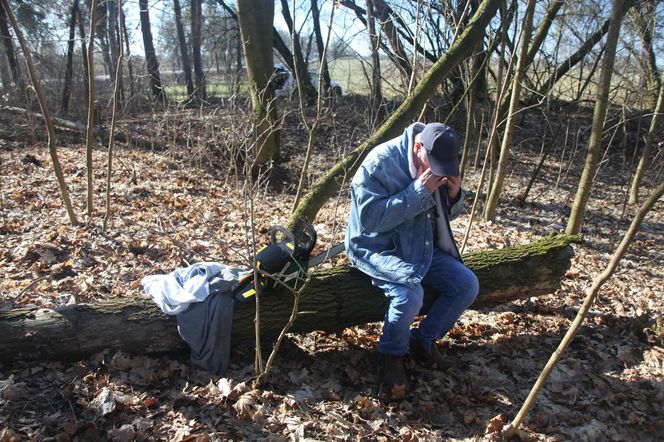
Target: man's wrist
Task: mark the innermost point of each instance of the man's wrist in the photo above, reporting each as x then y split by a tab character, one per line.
455	199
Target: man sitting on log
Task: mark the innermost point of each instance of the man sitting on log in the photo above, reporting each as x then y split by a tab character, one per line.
403	196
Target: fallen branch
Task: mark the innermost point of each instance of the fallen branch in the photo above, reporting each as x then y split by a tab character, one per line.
80	129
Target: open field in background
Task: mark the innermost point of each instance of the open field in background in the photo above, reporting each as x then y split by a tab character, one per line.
353	74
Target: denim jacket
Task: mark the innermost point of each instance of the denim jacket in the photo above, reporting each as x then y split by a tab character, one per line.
389	234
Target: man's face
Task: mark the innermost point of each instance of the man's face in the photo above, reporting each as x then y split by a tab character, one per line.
421	154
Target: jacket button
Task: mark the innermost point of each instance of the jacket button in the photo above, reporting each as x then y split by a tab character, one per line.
426	243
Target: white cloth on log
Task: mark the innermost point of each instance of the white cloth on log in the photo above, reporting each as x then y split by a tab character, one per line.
174	292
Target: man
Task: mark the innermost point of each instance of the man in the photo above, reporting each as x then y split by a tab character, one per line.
403	196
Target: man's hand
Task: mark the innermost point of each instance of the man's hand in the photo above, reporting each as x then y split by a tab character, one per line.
453	186
430	180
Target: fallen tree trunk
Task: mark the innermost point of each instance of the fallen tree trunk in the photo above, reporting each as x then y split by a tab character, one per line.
335	298
77	129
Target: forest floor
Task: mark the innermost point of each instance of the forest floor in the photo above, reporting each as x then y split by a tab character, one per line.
184	204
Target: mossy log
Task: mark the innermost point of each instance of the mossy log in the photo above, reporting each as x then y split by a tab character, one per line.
335	298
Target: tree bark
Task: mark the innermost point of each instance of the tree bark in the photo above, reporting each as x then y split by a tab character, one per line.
335	298
255	17
150	53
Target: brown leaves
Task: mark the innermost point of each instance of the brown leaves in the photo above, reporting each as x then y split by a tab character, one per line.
246	406
168	212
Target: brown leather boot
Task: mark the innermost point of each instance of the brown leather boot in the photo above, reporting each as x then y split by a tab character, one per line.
393	378
431	357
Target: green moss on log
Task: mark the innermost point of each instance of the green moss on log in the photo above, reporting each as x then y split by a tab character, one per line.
488	258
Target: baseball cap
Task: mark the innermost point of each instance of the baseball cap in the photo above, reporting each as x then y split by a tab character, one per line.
442	146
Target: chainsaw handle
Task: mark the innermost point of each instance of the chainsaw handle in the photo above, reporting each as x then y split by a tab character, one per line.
281	229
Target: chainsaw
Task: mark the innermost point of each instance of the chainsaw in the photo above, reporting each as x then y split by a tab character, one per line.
285	260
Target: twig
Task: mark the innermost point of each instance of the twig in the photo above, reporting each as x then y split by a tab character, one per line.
31	285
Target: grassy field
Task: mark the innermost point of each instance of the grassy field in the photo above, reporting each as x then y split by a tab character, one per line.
353	74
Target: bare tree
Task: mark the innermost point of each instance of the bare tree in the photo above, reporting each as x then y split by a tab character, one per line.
69	68
184	53
102	36
111	137
130	66
89	135
199	75
113	32
329	184
376	92
324	68
150	53
10	52
301	73
618	9
645	154
591	295
497	187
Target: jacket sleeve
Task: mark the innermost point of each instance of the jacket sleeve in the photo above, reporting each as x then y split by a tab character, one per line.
457	207
380	212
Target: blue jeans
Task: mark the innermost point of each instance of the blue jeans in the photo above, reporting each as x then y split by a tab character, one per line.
457	287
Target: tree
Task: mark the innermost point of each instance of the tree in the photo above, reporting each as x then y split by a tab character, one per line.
89	135
102	36
113	32
301	73
591	295
329	184
184	53
618	9
399	54
255	16
564	67
196	23
69	69
10	52
130	66
645	154
150	54
645	16
52	143
497	187
376	92
324	68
